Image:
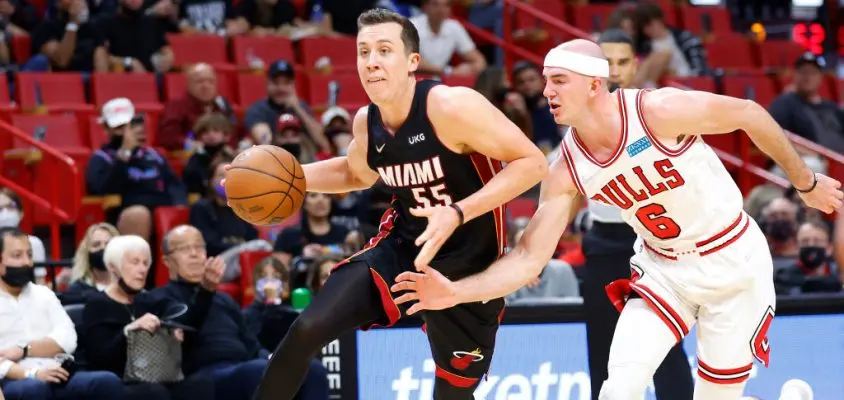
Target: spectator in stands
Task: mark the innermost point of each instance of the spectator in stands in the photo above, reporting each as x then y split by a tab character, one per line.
337	16
670	51
180	115
779	222
527	80
269	17
90	275
11	215
320	269
216	17
269	317
623	18
315	235
128	167
34	330
136	41
288	136
814	269
68	41
212	132
804	112
224	349
492	83
19	16
124	306
337	125
261	119
440	37
225	235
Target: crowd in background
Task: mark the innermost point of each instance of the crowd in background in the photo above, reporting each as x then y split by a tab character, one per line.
224	347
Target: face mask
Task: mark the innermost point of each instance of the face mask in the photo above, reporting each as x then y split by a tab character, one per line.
292	148
259	288
613	87
10	218
96	261
126	288
221	190
780	230
116	141
812	257
18	276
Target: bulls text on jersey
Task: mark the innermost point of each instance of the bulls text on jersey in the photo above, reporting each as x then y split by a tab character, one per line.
622	192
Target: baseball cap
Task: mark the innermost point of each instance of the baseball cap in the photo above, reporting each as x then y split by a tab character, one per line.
280	68
334	112
117	112
286	121
810	58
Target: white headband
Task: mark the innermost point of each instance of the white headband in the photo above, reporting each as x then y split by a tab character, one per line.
582	64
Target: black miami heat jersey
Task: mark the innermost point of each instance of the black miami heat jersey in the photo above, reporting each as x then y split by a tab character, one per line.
422	172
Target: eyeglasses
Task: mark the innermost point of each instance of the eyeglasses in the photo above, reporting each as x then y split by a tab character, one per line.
199	248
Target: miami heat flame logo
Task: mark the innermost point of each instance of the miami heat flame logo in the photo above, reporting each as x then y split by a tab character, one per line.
461	359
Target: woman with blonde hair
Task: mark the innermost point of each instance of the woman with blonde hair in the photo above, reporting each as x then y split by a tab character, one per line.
89	274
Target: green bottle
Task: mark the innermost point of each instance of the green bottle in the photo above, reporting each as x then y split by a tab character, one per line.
300	298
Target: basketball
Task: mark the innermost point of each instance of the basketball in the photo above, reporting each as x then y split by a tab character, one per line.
265	185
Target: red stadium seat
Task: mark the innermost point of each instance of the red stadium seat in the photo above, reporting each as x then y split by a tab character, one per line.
176	85
141	89
466	81
758	88
56	91
591	17
733	54
251	87
268	49
352	95
779	53
554	8
248	259
59	131
705	20
339	50
704	83
193	49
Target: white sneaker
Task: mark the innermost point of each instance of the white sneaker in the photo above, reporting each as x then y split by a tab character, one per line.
796	389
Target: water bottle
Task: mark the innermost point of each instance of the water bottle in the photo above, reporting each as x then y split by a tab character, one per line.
317	13
333	93
300	298
254	61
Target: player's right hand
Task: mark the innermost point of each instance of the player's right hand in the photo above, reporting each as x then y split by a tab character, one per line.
430	289
826	196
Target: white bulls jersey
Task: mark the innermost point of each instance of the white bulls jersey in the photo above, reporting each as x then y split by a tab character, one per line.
674	196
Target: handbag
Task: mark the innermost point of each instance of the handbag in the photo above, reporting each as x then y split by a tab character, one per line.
153	357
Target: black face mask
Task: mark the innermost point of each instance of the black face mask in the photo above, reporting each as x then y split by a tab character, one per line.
18	276
126	289
780	230
812	257
130	12
293	148
96	261
613	87
115	141
212	149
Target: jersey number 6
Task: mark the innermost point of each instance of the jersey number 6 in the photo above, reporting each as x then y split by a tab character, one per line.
439	198
652	217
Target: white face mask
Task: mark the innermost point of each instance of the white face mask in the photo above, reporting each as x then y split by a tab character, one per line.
10	218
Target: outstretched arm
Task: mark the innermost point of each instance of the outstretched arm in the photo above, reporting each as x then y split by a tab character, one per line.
557	206
344	174
672	112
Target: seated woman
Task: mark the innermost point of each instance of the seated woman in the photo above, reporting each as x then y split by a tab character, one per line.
270	315
124	306
89	274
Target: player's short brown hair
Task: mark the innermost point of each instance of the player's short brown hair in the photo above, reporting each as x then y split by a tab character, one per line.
378	16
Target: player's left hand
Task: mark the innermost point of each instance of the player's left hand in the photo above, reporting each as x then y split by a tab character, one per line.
826	196
430	289
442	221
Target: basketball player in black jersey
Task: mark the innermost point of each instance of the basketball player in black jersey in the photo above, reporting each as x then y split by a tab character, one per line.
438	149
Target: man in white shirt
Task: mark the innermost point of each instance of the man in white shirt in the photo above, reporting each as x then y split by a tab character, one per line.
36	334
440	37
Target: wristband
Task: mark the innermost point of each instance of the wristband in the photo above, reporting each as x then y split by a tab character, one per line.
459	212
31	373
72	27
811	188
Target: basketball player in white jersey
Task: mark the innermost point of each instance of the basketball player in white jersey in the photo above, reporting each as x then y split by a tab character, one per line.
699	258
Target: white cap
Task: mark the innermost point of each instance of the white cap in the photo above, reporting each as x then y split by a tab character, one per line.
116	112
334	112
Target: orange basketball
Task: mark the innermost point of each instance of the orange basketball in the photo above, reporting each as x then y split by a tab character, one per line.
265	185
